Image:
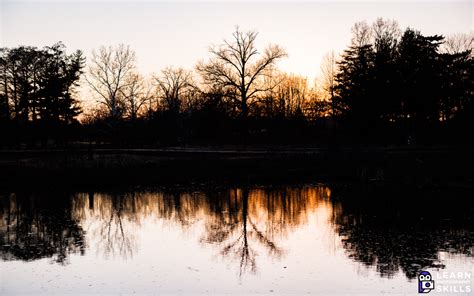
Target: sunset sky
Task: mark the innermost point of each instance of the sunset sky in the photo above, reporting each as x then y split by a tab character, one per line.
179	33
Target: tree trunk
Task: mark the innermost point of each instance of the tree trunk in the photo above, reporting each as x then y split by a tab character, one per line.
244	105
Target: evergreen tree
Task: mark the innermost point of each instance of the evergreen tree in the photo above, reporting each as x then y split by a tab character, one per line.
60	73
420	72
353	85
38	84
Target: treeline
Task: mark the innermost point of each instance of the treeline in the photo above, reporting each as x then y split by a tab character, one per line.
38	84
37	93
408	81
387	87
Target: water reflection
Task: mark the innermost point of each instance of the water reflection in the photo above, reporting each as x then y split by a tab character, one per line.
403	230
39	226
111	219
380	229
242	218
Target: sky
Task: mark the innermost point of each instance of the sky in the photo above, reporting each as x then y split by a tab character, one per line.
179	33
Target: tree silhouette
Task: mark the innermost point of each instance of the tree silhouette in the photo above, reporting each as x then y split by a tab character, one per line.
136	94
386	79
38	84
329	71
458	43
175	86
4	90
287	97
20	84
234	64
57	78
386	35
110	74
387	87
355	78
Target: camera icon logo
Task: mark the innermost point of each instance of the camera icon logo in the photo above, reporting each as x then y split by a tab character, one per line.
425	282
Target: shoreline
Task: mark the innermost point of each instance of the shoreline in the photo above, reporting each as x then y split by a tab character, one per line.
430	167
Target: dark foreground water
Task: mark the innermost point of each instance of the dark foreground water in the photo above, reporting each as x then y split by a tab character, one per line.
310	239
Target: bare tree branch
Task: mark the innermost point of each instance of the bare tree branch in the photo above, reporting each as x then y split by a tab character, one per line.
175	86
234	65
110	74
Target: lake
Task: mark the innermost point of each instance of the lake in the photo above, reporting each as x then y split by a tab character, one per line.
286	239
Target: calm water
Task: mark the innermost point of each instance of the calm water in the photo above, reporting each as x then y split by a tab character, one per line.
252	240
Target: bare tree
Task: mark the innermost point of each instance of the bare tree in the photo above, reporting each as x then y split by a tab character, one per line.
136	93
328	78
361	34
459	43
235	64
109	75
175	85
4	84
291	93
386	34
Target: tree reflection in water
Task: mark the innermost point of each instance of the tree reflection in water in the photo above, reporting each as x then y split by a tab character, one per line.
235	219
241	218
403	231
115	240
227	225
39	226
